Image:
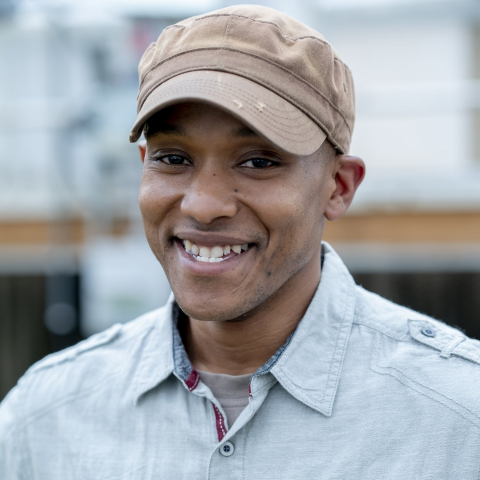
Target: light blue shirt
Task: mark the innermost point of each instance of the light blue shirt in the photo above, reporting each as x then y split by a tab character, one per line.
363	389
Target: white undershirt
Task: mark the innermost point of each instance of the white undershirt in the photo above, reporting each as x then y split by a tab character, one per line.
230	390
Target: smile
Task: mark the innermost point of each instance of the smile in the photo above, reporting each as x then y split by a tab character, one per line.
215	254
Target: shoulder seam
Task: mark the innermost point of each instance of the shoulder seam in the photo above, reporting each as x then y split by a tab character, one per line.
75	352
418	387
33	416
380	331
454	353
428	396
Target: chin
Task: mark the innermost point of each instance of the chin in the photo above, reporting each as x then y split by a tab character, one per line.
206	311
214	310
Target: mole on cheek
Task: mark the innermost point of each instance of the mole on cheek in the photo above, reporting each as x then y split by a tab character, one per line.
236	191
269	273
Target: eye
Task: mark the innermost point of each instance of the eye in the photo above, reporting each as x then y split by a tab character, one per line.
173	160
259	163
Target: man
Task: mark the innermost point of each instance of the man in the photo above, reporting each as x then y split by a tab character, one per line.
267	361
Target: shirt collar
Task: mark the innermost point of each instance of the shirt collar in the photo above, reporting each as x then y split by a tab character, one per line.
308	365
163	353
156	359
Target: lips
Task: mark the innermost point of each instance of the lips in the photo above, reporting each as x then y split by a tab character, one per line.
215	253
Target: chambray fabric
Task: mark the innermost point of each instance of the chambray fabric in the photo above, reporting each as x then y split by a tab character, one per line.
364	389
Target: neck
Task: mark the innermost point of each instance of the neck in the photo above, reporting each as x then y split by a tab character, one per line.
241	347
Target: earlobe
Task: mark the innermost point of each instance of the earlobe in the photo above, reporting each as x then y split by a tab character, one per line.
350	171
142	147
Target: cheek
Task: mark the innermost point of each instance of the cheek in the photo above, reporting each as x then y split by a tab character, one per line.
155	203
293	212
294	218
155	198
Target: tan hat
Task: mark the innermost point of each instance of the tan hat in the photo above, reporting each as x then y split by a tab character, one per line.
274	73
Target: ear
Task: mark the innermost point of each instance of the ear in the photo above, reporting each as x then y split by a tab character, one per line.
142	147
348	175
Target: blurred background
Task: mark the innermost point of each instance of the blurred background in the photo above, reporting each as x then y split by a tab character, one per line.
73	258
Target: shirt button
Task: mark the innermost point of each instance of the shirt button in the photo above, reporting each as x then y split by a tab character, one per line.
227	449
428	332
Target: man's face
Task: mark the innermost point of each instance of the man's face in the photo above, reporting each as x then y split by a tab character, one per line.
233	220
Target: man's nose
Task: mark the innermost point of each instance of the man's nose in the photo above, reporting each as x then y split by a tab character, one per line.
209	197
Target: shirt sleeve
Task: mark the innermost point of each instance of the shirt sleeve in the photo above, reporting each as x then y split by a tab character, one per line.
10	461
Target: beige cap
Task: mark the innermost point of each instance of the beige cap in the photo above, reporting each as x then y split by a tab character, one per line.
275	74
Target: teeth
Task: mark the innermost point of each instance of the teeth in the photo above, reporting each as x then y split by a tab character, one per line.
214	254
209	260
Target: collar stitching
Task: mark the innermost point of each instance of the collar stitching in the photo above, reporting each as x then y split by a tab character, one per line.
344	347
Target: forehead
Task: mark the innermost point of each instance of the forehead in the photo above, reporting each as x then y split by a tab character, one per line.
184	118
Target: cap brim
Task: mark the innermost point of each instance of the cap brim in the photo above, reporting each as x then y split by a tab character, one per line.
264	111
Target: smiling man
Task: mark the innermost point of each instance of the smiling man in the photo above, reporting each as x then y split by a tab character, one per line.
268	362
236	222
